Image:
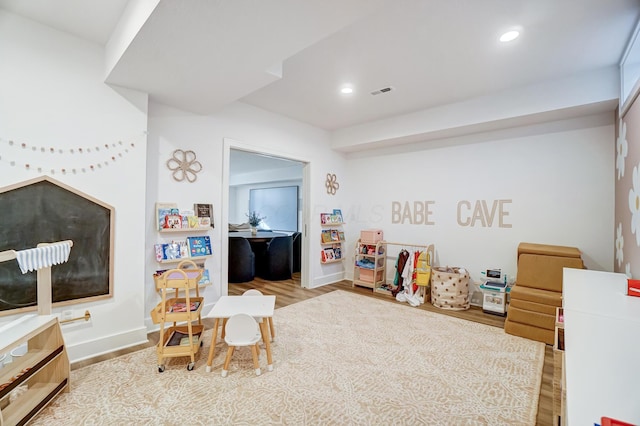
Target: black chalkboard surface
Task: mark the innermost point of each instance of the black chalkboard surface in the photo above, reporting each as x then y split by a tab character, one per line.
44	210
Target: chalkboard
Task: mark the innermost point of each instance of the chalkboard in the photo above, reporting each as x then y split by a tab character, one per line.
43	211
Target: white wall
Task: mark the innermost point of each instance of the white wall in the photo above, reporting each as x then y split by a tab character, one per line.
557	176
52	95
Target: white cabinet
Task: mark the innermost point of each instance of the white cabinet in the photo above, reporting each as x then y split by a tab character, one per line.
601	347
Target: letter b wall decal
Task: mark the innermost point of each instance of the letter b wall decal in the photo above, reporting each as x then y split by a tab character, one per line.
417	214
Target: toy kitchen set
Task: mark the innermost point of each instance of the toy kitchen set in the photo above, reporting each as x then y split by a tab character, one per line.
495	291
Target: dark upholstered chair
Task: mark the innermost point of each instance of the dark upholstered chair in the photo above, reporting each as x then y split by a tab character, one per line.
276	262
297	251
242	263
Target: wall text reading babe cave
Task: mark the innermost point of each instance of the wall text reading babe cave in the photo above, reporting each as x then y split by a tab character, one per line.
484	213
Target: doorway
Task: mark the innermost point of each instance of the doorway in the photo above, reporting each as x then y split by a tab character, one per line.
248	167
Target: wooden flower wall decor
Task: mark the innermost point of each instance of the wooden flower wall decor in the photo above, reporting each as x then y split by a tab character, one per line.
332	184
184	165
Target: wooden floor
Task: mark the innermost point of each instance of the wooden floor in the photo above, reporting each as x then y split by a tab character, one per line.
288	292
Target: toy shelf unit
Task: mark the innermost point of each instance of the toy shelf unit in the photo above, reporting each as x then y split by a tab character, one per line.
331	237
31	381
370	264
179	315
421	273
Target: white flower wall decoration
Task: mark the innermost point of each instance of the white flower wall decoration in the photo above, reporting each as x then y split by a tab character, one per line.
619	245
621	149
332	184
184	165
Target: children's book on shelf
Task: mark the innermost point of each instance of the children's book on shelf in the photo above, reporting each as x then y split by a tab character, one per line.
173	250
332	253
173	221
329	254
193	221
159	252
182	306
341	235
331	218
204	211
206	278
162	211
159	272
337	251
184	215
185	340
182	339
184	249
334	235
326	236
162	217
199	246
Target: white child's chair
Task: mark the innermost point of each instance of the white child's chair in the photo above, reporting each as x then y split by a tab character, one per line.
242	330
254	292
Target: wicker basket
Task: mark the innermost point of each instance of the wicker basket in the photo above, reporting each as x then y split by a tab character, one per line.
450	288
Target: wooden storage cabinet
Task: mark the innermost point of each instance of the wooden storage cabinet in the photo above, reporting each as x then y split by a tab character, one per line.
180	330
373	254
43	371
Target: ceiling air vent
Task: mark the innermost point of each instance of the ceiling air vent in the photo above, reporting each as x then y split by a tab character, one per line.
381	91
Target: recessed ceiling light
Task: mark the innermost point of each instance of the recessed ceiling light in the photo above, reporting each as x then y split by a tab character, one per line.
346	90
509	36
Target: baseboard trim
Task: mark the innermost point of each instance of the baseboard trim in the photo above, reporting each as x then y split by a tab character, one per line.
328	279
104	345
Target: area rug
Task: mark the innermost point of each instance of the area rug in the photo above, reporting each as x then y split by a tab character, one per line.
340	359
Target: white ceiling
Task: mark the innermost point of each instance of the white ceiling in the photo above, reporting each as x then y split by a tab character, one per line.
291	56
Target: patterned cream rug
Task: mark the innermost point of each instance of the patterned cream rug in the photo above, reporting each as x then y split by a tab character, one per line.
340	359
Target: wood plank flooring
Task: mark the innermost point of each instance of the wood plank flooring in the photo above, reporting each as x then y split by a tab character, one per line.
288	292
